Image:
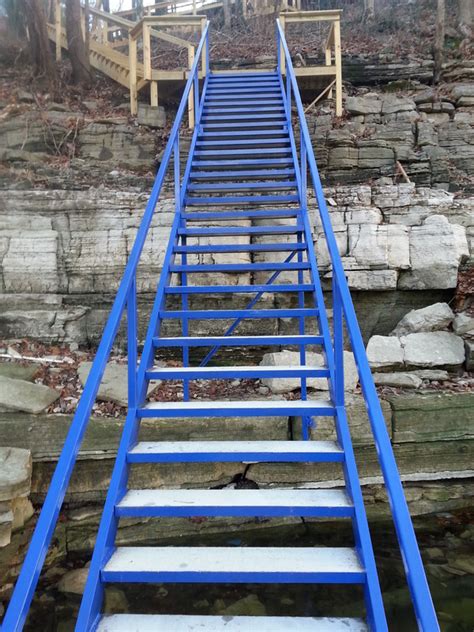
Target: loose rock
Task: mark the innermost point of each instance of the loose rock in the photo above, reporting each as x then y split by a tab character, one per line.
437	348
25	396
401	380
385	352
431	318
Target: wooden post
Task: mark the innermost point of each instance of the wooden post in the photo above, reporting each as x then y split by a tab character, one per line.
146	51
58	28
191	92
154	94
194	7
328	54
338	62
132	61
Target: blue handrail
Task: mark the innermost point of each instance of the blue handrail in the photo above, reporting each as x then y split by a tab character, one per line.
416	578
125	299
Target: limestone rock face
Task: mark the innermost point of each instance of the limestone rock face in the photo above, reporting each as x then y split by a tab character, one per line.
436	250
385	352
152	117
433	349
25	396
431	318
292	358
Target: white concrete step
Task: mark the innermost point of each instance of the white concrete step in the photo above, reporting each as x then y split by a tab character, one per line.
235	502
186	623
238	408
235	451
234	565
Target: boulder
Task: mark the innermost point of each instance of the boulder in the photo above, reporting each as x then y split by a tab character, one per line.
385	352
25	396
463	90
399	380
114	385
432	349
292	358
18	371
469	349
151	117
15	473
392	104
463	325
74	581
436	250
363	105
431	318
433	375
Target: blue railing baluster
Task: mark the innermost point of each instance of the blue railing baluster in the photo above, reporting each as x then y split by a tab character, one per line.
416	577
23	592
132	341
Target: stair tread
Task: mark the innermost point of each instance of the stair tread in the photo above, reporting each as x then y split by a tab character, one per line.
253	405
204	341
235	451
297	498
203	623
237	371
242	564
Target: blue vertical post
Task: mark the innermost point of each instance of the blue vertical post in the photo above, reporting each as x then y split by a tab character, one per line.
132	343
338	334
183	275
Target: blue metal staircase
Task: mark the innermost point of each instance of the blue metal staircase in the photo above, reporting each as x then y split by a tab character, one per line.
242	197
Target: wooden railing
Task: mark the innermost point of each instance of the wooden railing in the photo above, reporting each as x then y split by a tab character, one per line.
332	51
108	32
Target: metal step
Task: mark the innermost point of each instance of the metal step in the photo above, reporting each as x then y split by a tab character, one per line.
244	163
239	199
225	314
236	452
239	215
314	503
270	288
236	109
238	341
240	230
242	175
242	186
263	151
270	408
231	142
229	248
212	102
187	623
328	565
235	372
239	267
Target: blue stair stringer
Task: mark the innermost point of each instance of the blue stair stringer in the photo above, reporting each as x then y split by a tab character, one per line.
241	212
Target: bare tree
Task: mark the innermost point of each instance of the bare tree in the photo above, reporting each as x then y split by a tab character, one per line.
439	40
369	10
40	51
465	13
227	9
81	70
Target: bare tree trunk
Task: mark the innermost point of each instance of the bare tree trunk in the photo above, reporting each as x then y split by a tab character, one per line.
439	41
227	14
369	10
81	70
39	41
465	13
